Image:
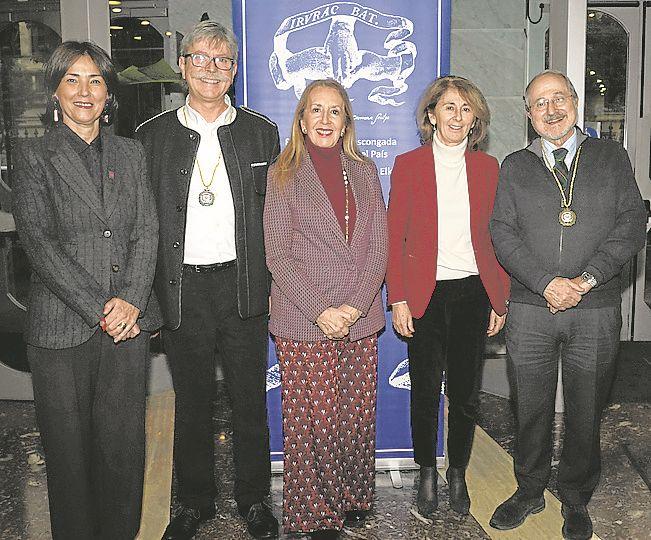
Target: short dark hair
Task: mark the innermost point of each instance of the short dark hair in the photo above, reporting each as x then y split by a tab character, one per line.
58	64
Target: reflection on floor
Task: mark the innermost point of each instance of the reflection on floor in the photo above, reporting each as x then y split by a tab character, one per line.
621	507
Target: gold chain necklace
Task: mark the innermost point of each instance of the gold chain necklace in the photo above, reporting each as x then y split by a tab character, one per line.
567	216
346	211
206	197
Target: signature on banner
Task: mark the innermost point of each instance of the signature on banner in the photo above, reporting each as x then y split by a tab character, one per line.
399	377
340	56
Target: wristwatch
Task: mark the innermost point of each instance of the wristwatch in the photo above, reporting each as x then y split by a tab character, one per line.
589	279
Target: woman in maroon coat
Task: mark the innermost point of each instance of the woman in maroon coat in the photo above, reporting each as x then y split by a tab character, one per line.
443	277
325	238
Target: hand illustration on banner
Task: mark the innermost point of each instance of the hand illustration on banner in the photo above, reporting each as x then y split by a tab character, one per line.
340	57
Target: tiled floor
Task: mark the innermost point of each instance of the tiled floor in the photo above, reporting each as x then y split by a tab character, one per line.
621	507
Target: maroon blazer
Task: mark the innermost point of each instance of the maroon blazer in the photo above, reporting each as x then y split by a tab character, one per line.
413	224
312	267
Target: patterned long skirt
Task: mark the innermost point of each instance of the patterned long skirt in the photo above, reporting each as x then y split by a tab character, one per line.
328	402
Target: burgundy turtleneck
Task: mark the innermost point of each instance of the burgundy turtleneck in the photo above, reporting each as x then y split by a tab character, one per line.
327	163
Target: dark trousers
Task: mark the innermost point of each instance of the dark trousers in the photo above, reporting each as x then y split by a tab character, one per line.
587	341
449	337
90	408
209	322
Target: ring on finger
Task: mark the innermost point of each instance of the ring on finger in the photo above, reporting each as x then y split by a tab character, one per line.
122	325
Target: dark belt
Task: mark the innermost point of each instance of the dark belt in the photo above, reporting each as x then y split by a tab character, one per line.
200	268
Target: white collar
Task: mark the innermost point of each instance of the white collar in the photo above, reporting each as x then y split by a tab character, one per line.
449	155
196	121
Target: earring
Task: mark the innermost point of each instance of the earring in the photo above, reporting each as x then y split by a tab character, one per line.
342	132
304	131
55	111
105	112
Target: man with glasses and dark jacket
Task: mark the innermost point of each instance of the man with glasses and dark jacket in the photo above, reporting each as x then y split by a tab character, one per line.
567	217
208	163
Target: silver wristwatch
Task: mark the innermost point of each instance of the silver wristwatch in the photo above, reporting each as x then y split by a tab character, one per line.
589	279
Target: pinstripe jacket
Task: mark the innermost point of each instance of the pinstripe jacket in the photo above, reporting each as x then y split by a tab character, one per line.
312	266
84	246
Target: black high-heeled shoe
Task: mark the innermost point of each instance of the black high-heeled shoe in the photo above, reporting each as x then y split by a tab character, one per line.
459	498
427	500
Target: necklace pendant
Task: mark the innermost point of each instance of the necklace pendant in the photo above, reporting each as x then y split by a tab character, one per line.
206	198
567	217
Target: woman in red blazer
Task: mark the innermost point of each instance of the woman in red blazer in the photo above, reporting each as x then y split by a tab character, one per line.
325	238
443	276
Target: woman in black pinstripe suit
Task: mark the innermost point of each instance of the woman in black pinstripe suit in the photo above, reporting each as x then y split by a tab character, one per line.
86	217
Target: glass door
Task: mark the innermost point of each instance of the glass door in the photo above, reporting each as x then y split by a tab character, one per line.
614	109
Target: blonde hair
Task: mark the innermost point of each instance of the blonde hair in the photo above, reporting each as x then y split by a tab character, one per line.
468	91
293	154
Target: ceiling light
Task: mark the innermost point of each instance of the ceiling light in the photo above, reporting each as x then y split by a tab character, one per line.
592	72
115	27
591	14
144	22
115	3
168	33
137	38
599	80
116	10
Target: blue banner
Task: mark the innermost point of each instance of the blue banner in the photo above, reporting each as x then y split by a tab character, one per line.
384	52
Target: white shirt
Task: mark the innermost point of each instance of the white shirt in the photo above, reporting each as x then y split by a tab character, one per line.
456	256
209	230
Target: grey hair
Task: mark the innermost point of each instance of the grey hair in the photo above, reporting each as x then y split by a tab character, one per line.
560	74
213	32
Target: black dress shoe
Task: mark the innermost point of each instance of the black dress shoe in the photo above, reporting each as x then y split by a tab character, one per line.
427	500
260	521
512	512
355	518
459	498
186	521
577	524
325	534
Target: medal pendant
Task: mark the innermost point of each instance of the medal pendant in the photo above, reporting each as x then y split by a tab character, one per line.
206	198
567	217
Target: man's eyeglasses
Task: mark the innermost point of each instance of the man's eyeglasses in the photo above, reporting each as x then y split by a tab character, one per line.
203	61
558	101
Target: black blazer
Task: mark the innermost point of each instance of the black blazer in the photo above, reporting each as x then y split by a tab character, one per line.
84	246
249	146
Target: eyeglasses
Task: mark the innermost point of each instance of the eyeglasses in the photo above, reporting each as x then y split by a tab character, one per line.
203	61
558	101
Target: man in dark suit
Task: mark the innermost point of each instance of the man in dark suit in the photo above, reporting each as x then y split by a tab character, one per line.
209	163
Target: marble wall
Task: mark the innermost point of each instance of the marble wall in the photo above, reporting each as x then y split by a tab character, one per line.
489	46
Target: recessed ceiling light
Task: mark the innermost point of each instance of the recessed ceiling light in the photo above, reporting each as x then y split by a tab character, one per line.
145	22
137	38
115	3
599	80
592	72
115	27
168	33
591	14
116	10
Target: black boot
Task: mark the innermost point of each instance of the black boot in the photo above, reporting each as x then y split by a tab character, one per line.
459	498
427	500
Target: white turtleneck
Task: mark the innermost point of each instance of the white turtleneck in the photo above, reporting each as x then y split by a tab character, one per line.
456	257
